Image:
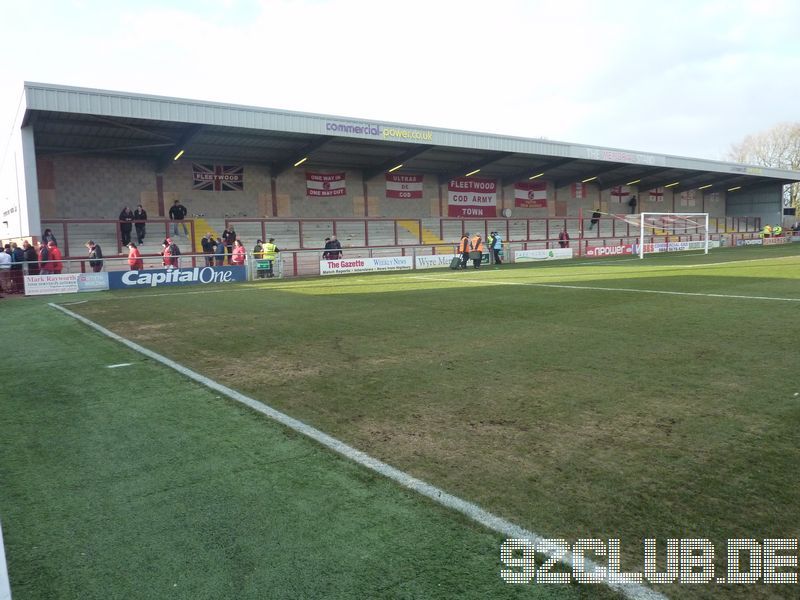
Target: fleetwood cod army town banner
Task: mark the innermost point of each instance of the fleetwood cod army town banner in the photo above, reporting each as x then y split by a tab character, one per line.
472	197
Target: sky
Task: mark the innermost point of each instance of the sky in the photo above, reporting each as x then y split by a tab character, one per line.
680	77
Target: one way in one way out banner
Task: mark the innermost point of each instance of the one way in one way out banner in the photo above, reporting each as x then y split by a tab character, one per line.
472	197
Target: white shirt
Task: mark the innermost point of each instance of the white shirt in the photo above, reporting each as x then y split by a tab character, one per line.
5	260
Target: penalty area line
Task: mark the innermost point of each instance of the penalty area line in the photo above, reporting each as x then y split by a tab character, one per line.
607	289
633	591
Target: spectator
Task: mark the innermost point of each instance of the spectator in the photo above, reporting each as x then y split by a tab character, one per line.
170	253
229	236
207	244
31	258
126	225
135	261
17	274
239	253
496	246
48	236
44	259
464	247
271	254
258	256
327	255
477	251
140	222
56	266
595	219
563	239
632	204
335	251
5	269
177	213
219	252
95	256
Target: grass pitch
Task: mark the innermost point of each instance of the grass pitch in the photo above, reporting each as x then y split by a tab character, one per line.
612	399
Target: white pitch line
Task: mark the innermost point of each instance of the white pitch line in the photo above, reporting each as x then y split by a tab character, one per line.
489	520
5	588
117	366
604	289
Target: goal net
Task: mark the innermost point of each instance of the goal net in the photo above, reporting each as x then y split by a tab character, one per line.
671	232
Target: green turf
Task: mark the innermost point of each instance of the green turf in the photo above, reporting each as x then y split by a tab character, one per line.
574	412
137	483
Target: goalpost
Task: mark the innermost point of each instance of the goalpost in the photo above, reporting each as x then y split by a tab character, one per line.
669	225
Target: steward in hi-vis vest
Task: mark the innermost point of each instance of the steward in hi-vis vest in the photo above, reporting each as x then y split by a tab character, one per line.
477	251
463	248
271	254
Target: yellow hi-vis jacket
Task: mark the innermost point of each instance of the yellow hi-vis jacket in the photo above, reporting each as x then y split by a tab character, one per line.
270	251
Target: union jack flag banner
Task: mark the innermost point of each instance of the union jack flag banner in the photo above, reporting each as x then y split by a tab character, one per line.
217	178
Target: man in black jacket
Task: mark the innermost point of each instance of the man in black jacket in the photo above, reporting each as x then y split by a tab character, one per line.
177	212
208	248
31	258
139	221
125	225
229	236
95	256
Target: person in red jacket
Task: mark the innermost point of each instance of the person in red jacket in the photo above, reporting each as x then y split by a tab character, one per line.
135	261
239	253
563	239
170	253
56	266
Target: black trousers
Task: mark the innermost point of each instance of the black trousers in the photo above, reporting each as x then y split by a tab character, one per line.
464	259
496	253
140	231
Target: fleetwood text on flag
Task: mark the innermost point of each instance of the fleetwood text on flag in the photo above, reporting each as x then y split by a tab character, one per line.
324	185
403	186
217	178
472	197
530	194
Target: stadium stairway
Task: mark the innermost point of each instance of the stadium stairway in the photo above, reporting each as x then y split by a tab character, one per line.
429	238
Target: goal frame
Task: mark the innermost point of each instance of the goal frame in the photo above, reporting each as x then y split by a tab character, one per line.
676	214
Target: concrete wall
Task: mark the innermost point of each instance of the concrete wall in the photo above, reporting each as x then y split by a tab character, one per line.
19	193
251	202
764	202
92	187
83	187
